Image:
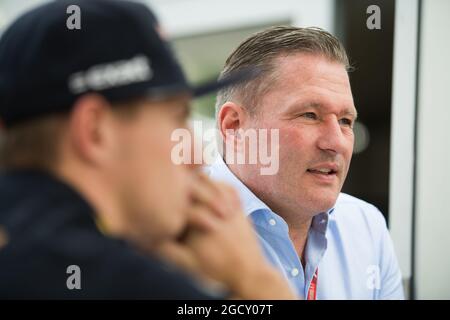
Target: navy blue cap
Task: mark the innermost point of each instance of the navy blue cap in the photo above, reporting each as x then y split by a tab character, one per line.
118	52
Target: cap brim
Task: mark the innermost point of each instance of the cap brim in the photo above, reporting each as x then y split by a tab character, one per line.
232	79
160	93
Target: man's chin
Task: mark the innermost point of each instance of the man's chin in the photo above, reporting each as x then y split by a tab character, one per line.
325	202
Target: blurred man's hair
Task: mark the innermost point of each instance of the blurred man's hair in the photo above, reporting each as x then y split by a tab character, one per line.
32	144
261	50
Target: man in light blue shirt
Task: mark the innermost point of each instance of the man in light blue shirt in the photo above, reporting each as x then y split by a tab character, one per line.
329	245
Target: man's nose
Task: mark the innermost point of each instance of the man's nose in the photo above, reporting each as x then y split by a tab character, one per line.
331	137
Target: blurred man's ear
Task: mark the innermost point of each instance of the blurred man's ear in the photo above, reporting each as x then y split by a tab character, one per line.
91	129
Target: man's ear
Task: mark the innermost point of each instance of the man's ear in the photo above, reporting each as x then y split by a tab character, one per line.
231	117
91	128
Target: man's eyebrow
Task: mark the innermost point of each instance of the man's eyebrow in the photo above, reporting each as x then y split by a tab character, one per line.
349	111
306	105
314	105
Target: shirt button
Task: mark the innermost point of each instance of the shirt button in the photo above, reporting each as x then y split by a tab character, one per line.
294	272
272	222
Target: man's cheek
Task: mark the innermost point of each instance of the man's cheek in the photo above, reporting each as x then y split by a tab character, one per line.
292	150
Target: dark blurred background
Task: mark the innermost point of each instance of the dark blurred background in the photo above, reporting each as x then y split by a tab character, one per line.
371	54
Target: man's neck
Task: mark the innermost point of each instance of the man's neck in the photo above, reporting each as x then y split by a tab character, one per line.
96	193
298	221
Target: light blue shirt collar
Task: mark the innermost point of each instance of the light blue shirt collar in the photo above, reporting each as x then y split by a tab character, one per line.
250	202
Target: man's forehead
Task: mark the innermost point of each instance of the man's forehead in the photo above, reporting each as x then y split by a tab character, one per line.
309	67
292	98
303	70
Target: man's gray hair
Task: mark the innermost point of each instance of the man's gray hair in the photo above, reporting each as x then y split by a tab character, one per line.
261	49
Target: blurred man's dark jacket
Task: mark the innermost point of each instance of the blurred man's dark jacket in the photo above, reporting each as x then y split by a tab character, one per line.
46	227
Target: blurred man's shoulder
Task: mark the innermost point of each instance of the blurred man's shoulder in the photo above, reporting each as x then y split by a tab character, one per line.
53	248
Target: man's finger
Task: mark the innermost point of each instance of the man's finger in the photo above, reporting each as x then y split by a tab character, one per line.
203	193
179	255
202	218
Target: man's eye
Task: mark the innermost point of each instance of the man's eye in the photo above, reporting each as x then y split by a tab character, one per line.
346	122
183	114
309	115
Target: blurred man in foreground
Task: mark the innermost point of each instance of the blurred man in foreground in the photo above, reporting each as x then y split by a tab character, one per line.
87	182
329	245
